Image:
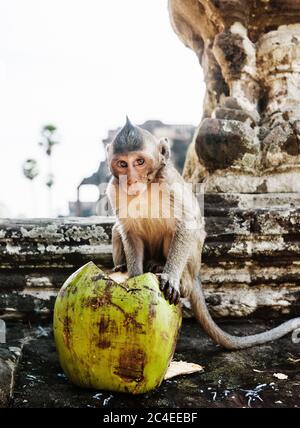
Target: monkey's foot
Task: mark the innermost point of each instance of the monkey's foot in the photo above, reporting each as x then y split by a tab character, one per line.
120	268
170	287
153	266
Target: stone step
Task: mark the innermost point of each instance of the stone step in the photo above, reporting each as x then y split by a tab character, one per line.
251	259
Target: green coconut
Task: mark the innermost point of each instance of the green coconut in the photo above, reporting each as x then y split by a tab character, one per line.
118	337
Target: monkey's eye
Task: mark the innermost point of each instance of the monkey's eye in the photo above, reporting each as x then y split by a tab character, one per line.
122	164
140	161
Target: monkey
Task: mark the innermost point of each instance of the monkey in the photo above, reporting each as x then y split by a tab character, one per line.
168	245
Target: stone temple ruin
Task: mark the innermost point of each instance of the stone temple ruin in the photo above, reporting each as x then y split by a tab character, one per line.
246	151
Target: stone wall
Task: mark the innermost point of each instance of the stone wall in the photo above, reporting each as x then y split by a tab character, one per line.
36	256
250	264
247	148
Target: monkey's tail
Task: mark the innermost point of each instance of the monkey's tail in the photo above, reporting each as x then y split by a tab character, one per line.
226	340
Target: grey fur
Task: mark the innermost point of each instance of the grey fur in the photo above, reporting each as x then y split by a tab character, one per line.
129	138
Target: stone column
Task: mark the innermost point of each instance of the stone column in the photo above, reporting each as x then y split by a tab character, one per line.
246	149
248	140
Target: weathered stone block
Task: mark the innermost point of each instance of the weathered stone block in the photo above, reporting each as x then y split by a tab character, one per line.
222	144
251	254
250	54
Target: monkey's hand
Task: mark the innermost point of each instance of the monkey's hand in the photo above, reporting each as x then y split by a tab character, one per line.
170	287
120	268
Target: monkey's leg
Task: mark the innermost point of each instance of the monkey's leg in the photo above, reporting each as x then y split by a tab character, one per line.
157	266
119	258
226	340
154	266
120	268
179	251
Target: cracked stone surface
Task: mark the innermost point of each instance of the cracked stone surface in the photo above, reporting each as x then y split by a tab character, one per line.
250	258
230	379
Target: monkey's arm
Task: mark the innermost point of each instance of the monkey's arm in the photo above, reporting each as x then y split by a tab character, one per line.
179	252
134	252
119	258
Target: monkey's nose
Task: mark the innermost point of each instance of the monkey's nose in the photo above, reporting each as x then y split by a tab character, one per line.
131	181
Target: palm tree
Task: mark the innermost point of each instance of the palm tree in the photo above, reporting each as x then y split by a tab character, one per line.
31	171
48	134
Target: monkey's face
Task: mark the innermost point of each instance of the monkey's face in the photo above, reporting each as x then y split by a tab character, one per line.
133	170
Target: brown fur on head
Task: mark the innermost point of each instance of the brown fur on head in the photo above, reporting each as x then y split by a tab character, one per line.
135	156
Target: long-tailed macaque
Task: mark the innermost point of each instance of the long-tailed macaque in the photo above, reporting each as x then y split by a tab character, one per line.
160	228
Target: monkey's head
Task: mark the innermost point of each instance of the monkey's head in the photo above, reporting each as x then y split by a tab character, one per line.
135	156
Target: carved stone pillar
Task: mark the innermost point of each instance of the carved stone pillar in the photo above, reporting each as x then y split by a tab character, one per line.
246	149
278	58
250	52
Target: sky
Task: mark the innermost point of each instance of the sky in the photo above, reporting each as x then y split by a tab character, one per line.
82	65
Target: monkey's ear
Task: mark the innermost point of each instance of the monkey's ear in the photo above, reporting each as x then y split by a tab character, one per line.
165	151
